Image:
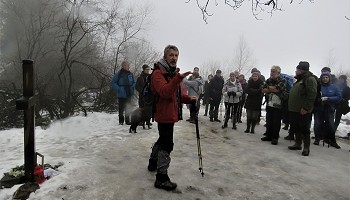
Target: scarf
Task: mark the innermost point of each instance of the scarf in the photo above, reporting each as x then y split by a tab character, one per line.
171	70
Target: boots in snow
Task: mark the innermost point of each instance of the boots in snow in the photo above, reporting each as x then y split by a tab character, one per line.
163	182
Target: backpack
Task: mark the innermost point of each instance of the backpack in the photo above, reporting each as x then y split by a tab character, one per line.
147	95
289	81
318	100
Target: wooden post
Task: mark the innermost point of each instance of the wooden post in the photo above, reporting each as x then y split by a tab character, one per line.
27	103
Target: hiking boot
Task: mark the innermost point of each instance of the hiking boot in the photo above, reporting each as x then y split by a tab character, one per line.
211	120
305	153
274	141
217	120
121	123
266	138
295	147
224	126
335	145
289	137
163	182
317	141
234	127
167	185
246	131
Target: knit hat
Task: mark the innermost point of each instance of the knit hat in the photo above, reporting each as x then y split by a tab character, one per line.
254	70
325	74
145	67
326	69
218	71
303	65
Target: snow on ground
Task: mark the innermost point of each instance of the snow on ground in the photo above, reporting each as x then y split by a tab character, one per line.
103	161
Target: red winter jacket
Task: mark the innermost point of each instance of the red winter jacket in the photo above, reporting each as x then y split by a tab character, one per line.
167	105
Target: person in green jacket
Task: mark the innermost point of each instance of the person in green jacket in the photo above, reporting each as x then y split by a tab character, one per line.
300	105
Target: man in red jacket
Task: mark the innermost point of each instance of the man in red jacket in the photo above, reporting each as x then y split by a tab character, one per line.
166	84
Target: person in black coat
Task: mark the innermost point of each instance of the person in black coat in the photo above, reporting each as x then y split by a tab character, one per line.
206	94
140	83
253	101
215	94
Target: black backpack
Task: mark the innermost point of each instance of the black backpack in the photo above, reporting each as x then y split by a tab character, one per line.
318	99
149	98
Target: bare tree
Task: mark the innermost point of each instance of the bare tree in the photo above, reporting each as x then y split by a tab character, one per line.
209	67
257	6
243	60
331	60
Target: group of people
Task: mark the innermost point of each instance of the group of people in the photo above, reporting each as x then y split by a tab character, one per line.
173	89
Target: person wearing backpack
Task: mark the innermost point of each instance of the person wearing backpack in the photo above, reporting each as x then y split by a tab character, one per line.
285	114
140	84
342	107
300	105
324	113
166	84
123	83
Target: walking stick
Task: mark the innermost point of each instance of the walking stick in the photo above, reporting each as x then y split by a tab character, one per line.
194	107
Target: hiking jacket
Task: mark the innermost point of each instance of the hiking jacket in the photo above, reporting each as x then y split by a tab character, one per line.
331	91
194	86
123	83
230	86
275	100
254	95
243	83
170	98
303	93
215	88
140	82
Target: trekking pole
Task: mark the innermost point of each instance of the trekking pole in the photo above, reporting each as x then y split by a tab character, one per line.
194	107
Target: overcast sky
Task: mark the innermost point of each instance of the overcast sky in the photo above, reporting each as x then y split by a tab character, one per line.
306	31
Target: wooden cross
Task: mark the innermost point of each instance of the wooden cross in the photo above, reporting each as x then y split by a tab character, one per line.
27	104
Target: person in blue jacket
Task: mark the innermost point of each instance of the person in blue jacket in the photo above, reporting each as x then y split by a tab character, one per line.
123	83
324	113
